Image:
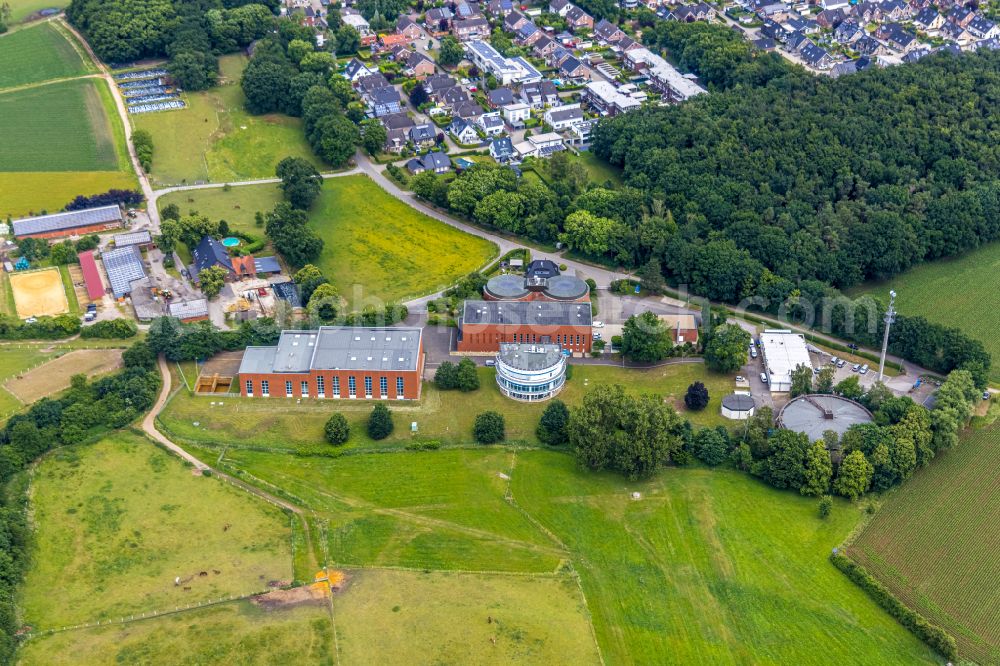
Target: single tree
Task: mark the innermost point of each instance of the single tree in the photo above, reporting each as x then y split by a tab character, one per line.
802	377
711	447
645	338
419	96
373	135
825	506
300	181
850	388
552	428
727	349
212	279
451	52
468	378
854	477
489	428
696	398
824	381
337	430
818	470
446	376
380	422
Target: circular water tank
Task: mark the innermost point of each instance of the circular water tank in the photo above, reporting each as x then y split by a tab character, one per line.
814	414
506	287
566	288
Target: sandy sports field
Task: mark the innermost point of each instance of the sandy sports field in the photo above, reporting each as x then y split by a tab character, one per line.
54	376
38	293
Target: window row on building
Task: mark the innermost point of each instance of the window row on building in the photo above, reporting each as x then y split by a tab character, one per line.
304	388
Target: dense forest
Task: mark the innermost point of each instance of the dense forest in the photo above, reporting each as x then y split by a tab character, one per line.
192	33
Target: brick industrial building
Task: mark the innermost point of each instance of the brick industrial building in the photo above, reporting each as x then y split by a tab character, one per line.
337	362
72	223
484	325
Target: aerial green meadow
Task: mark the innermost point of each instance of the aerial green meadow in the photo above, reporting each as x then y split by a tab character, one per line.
38	53
959	292
215	139
20	10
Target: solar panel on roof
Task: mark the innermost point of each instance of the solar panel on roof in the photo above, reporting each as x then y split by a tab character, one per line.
123	266
68	220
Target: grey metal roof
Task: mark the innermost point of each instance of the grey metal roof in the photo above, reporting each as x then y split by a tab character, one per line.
738	403
266	265
189	309
69	220
257	360
566	287
133	238
123	266
532	358
507	286
337	348
527	313
815	414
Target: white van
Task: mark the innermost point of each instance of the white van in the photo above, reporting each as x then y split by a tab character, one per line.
763	377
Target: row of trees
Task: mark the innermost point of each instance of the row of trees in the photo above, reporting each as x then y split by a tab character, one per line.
142	141
191	33
85	409
379	426
113	196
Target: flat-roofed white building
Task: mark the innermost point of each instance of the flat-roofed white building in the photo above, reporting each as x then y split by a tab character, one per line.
663	76
784	351
607	100
505	70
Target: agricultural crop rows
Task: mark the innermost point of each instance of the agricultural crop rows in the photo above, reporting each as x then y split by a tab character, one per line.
934	544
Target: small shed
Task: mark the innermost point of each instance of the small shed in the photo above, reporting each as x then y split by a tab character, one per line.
738	407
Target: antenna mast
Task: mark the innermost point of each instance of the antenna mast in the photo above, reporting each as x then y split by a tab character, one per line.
890	317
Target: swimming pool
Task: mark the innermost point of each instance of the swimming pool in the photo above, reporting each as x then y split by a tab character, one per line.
231	241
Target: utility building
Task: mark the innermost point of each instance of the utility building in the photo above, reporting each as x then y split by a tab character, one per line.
784	351
485	325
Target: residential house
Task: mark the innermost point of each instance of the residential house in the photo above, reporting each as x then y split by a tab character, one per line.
539	145
844	68
776	11
438	82
423	136
579	134
355	69
463	131
388	42
607	32
834	4
560	7
540	94
663	77
367	85
528	34
957	34
436	162
499	8
692	13
982	28
408	28
468	109
361	26
400	53
831	18
848	32
607	100
897	37
516	114
574	70
577	19
544	46
815	56
397	129
513	21
563	117
867	12
796	23
558	56
467	10
929	20
629	5
961	16
468	29
896	10
208	253
383	101
502	149
452	96
764	44
566	39
490	123
500	97
626	44
796	41
774	30
438	20
504	70
418	66
916	54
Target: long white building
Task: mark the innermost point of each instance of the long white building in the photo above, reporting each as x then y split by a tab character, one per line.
663	76
784	351
505	70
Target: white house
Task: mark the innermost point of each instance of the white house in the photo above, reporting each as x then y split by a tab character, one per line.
516	114
563	117
490	123
540	145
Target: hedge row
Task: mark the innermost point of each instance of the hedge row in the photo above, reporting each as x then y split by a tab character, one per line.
112	328
936	637
45	328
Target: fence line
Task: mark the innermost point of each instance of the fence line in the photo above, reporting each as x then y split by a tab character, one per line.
143	615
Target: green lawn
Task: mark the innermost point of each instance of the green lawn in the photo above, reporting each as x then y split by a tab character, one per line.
531	620
379	249
598	170
28	193
14	359
58	127
38	53
231	633
119	521
956	292
236	206
947	509
214	139
22	9
282	424
709	567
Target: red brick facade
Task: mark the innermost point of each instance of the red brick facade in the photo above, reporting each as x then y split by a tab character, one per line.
75	231
336	384
487	337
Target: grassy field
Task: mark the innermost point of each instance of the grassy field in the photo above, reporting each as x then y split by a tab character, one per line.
231	633
703	570
699	570
25	193
236	206
531	620
283	424
14	360
54	376
600	172
955	292
214	139
934	543
39	53
72	134
118	522
22	9
378	249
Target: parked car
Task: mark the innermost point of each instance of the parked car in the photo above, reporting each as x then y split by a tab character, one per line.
841	363
598	324
753	353
864	369
763	377
833	360
490	364
31	320
90	316
740	378
986	395
855	367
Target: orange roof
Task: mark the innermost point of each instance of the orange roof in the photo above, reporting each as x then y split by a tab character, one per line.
394	40
244	265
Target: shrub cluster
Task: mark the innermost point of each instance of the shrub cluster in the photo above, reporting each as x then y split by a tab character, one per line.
142	140
45	328
113	328
936	637
120	197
